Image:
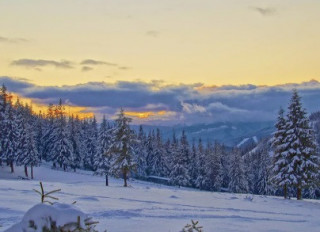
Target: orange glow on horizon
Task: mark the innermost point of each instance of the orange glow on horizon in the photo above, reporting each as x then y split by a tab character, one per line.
145	115
37	107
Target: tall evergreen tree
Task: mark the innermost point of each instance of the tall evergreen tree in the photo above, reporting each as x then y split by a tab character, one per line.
141	153
62	151
47	134
20	119
212	167
9	142
158	162
3	106
200	181
301	151
122	148
179	174
102	161
238	181
73	130
280	166
91	144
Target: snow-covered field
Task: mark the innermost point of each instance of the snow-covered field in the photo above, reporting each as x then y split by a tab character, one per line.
154	208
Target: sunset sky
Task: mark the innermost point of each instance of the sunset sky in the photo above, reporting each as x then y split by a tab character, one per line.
188	48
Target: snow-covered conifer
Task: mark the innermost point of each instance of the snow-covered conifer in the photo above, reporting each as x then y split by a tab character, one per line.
122	148
301	150
238	181
280	156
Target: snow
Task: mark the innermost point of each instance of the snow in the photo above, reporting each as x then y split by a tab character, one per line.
42	215
255	139
147	206
243	142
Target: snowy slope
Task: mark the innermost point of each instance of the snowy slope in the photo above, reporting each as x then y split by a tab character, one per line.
151	207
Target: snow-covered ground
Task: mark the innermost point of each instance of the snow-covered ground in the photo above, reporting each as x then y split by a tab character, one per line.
151	207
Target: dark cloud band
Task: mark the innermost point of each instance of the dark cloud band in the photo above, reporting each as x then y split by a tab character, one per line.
187	103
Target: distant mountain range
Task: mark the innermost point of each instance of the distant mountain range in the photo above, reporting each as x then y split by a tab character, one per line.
229	133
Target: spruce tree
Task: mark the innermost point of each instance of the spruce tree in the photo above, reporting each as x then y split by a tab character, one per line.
122	148
62	151
101	160
238	181
20	129
9	141
179	174
3	105
91	144
73	130
301	150
158	161
47	135
280	156
141	154
201	161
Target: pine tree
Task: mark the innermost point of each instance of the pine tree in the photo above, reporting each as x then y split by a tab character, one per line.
301	151
179	174
200	181
122	148
62	151
47	135
73	130
141	154
225	163
158	161
31	157
259	168
150	153
91	144
193	168
9	141
3	106
238	181
101	160
21	135
280	159
212	167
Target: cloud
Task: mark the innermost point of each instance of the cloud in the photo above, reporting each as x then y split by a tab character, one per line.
265	11
12	40
192	108
124	68
152	33
96	62
222	107
36	64
190	104
86	69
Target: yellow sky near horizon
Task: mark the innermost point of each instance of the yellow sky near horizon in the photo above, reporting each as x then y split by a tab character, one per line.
176	41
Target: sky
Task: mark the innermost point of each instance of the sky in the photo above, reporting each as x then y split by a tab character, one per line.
163	61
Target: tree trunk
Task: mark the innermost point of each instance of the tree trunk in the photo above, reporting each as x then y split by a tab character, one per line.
64	167
60	165
285	191
26	170
299	193
32	172
54	165
125	178
11	166
107	180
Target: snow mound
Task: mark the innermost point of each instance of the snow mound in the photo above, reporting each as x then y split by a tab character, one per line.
42	216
